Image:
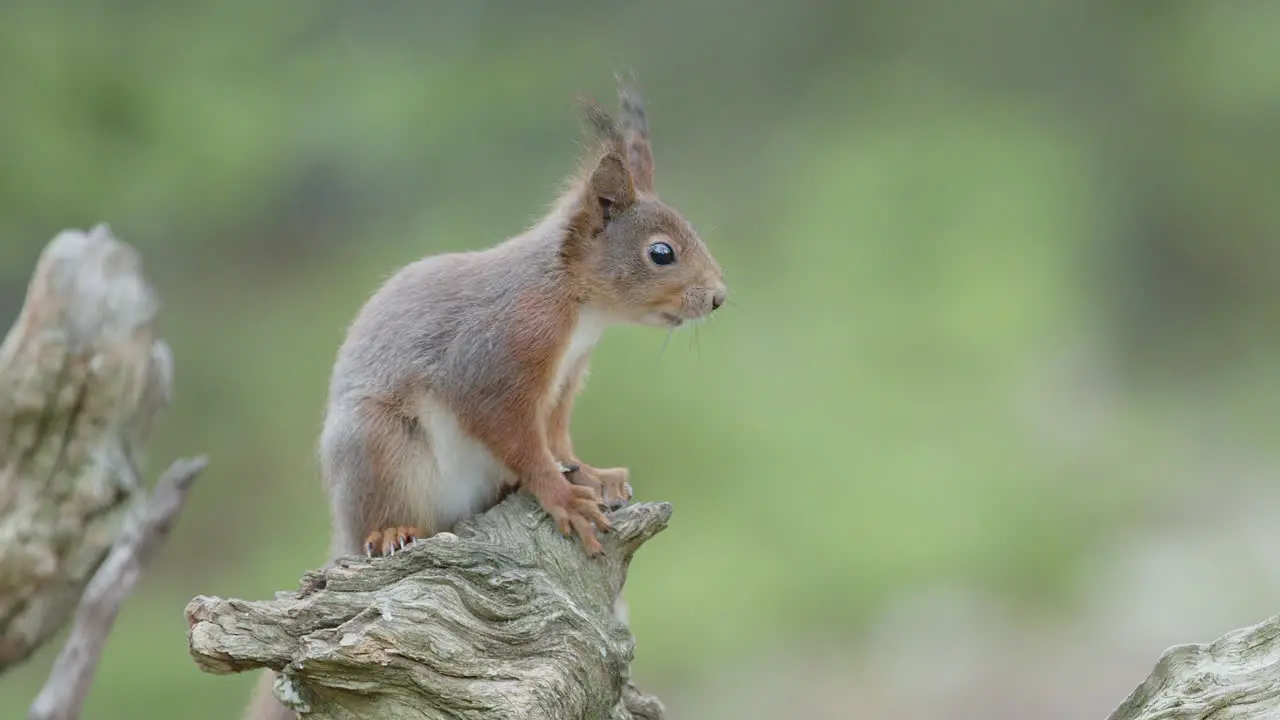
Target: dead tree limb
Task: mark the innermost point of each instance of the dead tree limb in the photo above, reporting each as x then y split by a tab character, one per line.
1235	677
82	376
145	531
504	618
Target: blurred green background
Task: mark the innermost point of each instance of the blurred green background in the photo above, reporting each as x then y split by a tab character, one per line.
989	423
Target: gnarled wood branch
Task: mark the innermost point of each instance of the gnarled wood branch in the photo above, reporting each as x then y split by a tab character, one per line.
504	618
1236	677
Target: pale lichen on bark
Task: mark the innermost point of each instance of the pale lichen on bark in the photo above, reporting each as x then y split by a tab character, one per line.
505	618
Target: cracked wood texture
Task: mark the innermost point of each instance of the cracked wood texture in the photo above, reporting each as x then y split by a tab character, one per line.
502	618
82	375
1236	677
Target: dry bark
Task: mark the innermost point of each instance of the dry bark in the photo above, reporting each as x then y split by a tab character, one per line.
503	618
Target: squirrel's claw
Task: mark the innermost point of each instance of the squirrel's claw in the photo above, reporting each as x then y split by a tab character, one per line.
386	542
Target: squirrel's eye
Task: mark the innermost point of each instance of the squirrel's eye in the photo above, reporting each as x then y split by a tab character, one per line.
661	254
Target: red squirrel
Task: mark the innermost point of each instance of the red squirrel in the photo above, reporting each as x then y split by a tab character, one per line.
457	378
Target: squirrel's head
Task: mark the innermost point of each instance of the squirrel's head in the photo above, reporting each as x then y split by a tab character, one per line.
633	254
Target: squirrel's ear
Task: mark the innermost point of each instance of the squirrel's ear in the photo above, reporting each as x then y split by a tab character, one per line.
611	187
609	190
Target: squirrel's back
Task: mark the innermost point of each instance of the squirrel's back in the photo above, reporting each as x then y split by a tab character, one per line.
440	320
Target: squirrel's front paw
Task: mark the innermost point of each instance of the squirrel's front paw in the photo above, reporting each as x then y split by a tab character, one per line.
576	510
611	483
386	542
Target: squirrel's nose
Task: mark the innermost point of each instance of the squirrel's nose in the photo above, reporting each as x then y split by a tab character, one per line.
717	298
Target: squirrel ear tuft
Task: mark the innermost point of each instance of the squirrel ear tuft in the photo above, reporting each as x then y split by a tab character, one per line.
635	132
611	186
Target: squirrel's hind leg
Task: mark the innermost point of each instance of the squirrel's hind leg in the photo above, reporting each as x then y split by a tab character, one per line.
379	468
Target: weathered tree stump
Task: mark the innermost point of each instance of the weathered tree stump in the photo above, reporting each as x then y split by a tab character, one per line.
504	618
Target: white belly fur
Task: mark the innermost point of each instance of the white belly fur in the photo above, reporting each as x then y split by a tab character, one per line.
466	475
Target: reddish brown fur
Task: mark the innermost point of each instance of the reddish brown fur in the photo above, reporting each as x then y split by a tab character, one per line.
558	421
516	427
